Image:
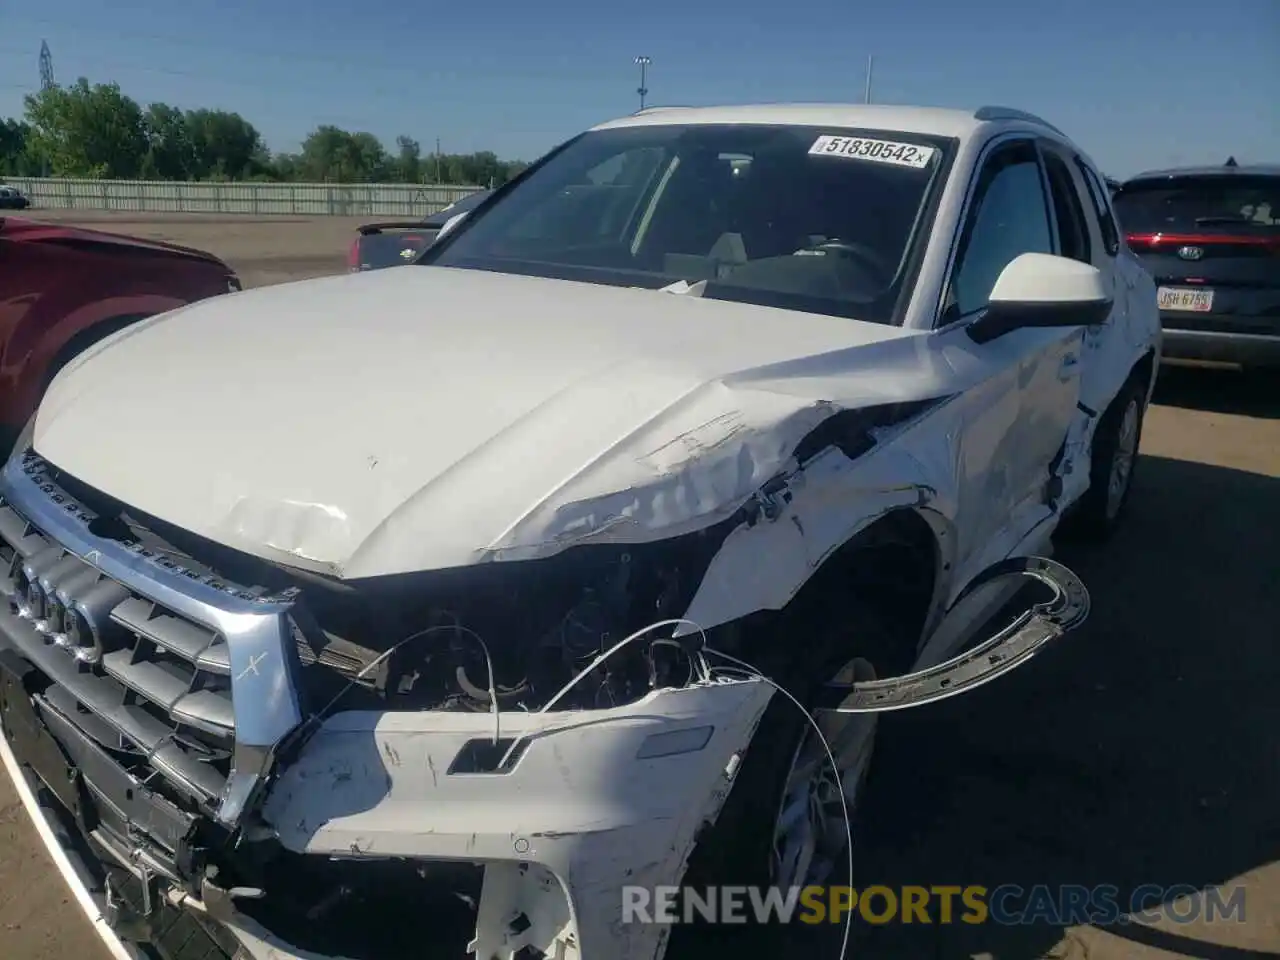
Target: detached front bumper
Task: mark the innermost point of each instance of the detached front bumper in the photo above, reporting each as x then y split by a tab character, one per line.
152	710
593	801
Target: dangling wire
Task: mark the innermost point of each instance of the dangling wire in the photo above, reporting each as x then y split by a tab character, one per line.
756	674
429	631
589	668
699	666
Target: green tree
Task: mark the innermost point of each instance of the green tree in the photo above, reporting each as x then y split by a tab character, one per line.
409	160
17	157
87	131
226	146
286	167
97	131
332	154
170	153
369	159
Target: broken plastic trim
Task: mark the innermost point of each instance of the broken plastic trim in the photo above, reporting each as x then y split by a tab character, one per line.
1006	651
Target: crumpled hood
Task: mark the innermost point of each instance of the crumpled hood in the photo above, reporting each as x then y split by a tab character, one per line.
426	417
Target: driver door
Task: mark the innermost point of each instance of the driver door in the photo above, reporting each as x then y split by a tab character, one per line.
1016	419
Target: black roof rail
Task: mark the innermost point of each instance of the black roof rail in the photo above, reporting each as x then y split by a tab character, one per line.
1011	113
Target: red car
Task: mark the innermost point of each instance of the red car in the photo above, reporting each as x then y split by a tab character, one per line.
64	288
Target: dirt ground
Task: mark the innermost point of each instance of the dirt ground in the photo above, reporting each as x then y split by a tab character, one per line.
1146	750
261	250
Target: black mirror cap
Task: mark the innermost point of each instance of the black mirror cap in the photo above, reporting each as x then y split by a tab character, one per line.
1005	316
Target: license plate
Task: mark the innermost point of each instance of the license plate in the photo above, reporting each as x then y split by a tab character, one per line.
1185	298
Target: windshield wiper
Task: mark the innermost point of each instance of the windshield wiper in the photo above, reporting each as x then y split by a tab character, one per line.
1205	221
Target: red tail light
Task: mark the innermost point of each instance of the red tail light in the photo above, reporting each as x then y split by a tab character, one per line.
353	257
1158	241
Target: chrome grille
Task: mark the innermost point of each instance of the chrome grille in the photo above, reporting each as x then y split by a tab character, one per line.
148	643
159	681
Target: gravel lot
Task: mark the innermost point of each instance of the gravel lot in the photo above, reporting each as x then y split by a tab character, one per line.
1144	751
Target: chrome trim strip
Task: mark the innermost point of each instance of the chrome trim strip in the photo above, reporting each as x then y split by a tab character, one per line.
257	631
25	483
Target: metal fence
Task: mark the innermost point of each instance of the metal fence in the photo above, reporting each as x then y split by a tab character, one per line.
299	199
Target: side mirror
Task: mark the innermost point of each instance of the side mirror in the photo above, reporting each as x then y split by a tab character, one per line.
1042	290
449	224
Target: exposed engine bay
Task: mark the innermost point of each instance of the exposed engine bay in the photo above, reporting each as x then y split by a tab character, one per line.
429	640
536	628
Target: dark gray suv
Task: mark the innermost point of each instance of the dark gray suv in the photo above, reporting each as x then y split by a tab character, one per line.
1211	238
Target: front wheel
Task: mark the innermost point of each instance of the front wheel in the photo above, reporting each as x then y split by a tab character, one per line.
783	825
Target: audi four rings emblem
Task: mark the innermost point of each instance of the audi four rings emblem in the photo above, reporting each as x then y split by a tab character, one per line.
1191	253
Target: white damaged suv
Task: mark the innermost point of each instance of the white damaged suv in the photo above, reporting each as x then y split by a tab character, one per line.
431	607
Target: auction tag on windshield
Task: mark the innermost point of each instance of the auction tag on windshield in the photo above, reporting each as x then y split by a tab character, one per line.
881	151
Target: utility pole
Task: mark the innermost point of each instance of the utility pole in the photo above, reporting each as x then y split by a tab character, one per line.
46	67
46	83
643	63
866	97
437	159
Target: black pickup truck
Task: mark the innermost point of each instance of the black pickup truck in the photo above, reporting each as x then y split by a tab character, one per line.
381	245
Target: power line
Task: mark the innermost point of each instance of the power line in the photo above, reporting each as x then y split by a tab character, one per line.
244	82
268	57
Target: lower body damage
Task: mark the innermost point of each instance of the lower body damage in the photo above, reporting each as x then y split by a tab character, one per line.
389	834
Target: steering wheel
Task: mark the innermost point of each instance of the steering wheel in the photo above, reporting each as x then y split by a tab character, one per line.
855	251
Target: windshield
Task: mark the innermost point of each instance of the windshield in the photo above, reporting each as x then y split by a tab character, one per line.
801	218
1192	204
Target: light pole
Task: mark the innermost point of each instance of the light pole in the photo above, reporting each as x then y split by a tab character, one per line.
643	63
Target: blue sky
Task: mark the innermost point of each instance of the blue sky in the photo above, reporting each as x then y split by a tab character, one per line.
1138	83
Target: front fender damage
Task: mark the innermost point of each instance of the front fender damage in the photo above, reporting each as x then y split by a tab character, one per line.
595	800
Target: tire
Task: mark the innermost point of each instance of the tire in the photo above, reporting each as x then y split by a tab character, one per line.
739	848
1114	457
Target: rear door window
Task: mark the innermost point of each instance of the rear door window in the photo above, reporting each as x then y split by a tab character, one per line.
1101	197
